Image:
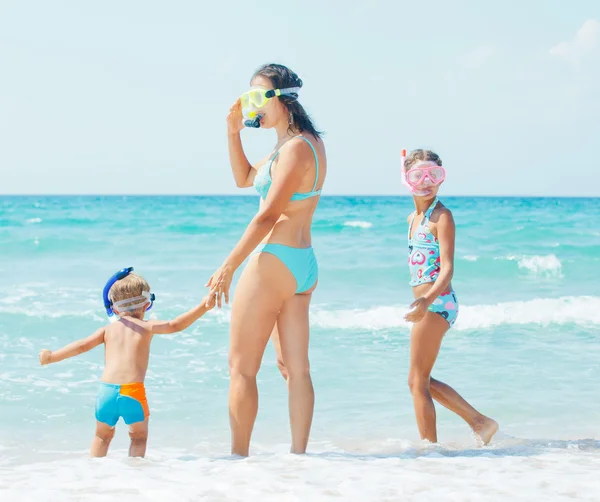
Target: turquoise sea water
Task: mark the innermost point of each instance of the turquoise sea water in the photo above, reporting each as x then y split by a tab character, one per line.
524	351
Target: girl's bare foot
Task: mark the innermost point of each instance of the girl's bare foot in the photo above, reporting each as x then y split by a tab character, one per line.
485	429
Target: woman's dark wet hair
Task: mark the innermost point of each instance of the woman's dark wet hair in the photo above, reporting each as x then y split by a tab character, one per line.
282	77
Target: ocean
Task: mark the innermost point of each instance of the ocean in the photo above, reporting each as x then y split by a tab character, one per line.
524	351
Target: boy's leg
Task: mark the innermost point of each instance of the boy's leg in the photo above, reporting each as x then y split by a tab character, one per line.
102	439
138	432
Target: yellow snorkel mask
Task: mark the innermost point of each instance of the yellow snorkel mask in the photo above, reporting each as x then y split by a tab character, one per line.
256	98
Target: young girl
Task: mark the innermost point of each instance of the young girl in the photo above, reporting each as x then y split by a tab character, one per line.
431	233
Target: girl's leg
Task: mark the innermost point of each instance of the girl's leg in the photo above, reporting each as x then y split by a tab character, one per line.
293	331
264	286
426	338
138	433
102	439
484	427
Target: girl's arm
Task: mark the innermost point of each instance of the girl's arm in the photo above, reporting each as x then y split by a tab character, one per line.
446	232
73	349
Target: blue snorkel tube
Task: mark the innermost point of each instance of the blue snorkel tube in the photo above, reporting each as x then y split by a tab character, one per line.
255	122
117	277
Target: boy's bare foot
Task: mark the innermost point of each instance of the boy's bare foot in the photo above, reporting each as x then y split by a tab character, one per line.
485	429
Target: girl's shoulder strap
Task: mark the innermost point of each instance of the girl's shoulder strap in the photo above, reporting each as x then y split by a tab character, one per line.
431	208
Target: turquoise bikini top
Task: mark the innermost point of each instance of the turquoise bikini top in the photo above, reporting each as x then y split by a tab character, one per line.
263	180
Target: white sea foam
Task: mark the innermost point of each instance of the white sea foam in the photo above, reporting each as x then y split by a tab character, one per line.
34	220
46	311
581	310
548	265
519	473
358	224
39	301
470	257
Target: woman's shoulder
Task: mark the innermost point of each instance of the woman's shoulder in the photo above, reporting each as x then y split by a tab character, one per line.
306	141
298	145
302	149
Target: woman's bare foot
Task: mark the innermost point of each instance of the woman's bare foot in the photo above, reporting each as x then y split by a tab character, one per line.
485	429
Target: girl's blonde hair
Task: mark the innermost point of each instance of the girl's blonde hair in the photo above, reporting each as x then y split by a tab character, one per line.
418	155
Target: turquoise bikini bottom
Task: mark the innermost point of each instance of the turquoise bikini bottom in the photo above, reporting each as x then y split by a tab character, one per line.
301	262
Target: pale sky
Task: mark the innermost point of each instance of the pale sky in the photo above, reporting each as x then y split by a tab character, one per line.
131	96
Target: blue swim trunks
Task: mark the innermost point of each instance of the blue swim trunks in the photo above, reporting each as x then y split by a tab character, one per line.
126	400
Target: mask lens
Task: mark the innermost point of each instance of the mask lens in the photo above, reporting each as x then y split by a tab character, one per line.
245	100
437	174
414	176
257	98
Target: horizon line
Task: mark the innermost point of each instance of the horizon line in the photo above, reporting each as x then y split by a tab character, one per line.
256	195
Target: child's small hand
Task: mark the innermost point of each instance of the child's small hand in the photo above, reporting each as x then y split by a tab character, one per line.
45	357
419	309
209	301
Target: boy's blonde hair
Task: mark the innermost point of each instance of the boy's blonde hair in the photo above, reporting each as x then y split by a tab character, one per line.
130	286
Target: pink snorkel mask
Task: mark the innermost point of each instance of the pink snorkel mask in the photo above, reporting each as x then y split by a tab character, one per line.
421	176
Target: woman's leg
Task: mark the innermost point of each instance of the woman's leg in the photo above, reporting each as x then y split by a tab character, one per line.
426	338
264	286
293	336
277	344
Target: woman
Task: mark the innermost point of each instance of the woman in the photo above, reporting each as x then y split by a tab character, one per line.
274	291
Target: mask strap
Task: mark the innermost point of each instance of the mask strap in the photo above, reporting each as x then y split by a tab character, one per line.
116	277
288	91
126	305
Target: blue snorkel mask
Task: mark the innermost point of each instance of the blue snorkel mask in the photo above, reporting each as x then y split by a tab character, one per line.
125	305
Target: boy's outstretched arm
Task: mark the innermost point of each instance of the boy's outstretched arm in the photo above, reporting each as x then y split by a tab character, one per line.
73	349
183	321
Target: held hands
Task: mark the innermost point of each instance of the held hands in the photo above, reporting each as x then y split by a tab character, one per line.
45	357
219	284
418	310
209	302
234	118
